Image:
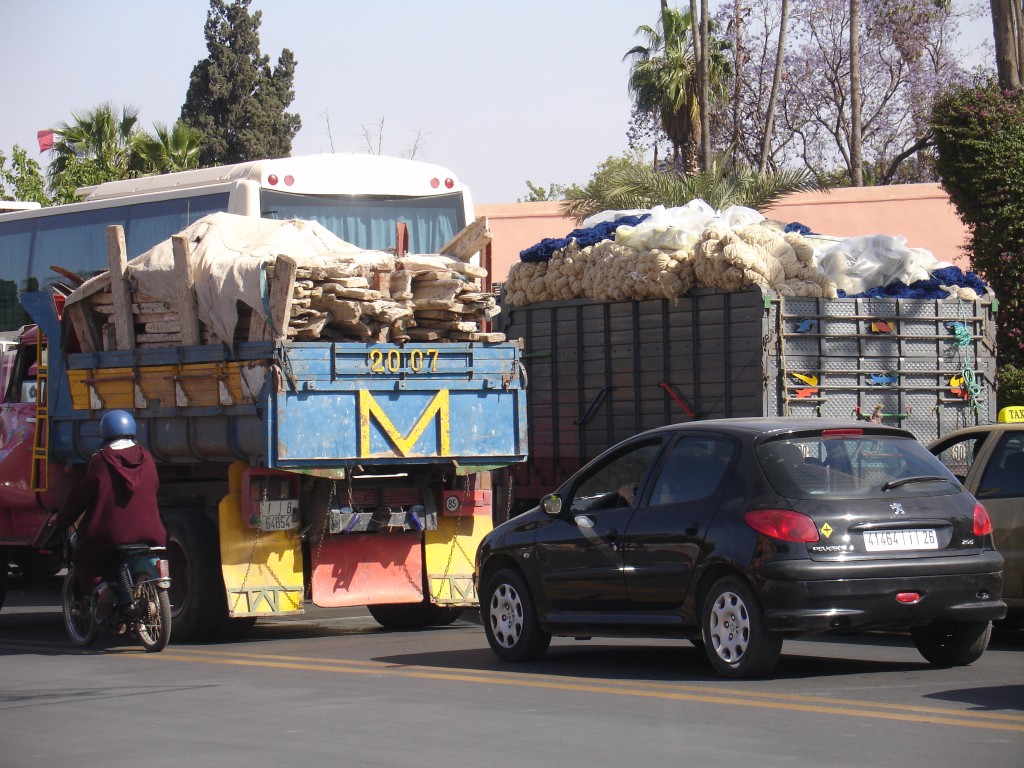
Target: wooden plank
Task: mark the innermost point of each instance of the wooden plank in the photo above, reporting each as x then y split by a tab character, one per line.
85	329
117	259
470	241
188	313
281	294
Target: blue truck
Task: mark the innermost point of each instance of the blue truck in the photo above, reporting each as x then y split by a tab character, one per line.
345	473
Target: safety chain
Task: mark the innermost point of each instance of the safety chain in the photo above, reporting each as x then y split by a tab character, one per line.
451	550
252	557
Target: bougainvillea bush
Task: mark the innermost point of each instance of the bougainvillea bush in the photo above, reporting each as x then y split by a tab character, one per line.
979	131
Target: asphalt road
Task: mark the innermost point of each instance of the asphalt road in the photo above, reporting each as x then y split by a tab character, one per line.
330	688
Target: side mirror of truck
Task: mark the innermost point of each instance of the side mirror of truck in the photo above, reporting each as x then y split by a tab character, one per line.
551	504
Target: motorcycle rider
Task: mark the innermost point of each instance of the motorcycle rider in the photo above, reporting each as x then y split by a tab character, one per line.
117	503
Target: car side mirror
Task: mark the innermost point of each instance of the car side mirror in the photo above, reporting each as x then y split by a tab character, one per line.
551	504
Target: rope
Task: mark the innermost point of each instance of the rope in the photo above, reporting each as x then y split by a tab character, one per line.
962	336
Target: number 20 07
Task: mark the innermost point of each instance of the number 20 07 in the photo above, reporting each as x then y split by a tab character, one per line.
395	360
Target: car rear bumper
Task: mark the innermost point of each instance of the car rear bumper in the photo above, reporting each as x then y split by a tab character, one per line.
802	596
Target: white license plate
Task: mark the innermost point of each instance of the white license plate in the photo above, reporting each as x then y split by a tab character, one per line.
279	515
900	540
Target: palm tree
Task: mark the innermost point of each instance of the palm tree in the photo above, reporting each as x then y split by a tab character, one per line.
169	149
630	187
100	138
663	80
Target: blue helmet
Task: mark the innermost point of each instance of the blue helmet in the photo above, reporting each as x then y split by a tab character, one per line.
116	424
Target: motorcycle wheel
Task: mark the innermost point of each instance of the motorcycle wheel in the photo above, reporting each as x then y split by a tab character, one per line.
152	608
79	620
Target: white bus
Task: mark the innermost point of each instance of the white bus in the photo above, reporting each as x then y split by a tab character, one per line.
358	197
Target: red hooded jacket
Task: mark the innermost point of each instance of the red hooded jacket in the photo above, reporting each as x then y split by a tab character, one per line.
118	496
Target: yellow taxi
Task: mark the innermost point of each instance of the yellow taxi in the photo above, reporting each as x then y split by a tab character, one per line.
989	461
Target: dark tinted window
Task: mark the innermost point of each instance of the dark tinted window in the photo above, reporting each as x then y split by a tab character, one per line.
1004	475
369	222
614	482
855	465
692	470
77	241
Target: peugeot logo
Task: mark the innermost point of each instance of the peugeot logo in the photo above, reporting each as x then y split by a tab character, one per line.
897	508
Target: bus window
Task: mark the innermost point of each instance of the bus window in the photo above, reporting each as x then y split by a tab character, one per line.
369	222
152	223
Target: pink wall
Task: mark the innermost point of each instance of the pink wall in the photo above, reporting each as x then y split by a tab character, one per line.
920	212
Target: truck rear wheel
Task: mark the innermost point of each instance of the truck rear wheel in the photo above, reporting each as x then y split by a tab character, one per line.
198	604
413	615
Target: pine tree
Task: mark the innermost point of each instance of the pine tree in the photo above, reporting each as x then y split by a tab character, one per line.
235	98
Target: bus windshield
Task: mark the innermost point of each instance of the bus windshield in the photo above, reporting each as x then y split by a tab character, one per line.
368	221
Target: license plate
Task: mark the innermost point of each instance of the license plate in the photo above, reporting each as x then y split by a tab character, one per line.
279	515
900	540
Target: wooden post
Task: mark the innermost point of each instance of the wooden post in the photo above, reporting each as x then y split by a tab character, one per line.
85	329
117	259
281	293
187	311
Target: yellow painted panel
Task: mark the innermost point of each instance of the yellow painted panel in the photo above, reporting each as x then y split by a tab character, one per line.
262	570
451	551
157	383
114	387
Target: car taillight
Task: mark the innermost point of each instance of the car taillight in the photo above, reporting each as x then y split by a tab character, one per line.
783	524
982	522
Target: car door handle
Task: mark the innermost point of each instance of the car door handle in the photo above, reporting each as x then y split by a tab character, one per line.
692	529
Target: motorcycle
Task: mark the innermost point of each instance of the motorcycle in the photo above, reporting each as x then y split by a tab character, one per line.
141	607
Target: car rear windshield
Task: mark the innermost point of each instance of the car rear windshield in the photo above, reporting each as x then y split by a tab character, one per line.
852	464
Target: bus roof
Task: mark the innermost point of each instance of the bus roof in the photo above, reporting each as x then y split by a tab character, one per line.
338	173
7	206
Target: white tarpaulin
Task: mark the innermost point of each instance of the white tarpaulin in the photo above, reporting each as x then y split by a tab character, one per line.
228	255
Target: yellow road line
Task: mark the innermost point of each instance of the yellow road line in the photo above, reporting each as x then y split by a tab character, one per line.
704	694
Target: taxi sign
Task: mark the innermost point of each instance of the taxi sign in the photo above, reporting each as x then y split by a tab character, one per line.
1011	413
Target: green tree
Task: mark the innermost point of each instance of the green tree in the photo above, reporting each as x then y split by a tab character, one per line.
170	149
979	134
553	192
628	183
664	80
100	142
235	98
24	179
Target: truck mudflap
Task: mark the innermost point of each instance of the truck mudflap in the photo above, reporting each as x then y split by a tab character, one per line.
353	569
450	549
262	569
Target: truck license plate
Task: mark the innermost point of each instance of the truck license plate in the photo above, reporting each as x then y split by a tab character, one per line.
279	515
900	540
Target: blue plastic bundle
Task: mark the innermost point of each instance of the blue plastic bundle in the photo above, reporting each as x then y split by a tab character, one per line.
924	289
590	236
800	229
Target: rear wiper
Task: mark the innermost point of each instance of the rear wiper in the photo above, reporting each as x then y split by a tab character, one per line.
888	486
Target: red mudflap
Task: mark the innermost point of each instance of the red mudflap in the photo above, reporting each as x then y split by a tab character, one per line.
368	569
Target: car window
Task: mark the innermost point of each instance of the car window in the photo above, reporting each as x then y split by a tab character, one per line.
959	456
614	482
851	465
1004	475
692	470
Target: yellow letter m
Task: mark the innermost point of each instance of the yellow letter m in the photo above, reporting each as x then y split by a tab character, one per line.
370	409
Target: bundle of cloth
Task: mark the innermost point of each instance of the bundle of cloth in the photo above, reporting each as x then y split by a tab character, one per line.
665	252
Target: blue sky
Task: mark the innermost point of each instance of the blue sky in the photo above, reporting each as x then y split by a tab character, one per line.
498	92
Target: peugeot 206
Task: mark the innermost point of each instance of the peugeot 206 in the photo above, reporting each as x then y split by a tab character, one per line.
738	533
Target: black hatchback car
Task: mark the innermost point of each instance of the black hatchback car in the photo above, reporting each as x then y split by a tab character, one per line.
739	532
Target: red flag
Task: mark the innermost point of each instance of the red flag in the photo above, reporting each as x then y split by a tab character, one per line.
45	139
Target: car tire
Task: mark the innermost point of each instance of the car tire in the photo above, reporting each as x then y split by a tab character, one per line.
952	643
735	639
510	618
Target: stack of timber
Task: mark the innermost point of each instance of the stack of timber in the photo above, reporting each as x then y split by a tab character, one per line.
424	297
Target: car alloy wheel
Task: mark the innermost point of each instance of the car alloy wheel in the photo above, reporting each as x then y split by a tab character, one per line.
510	619
735	639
